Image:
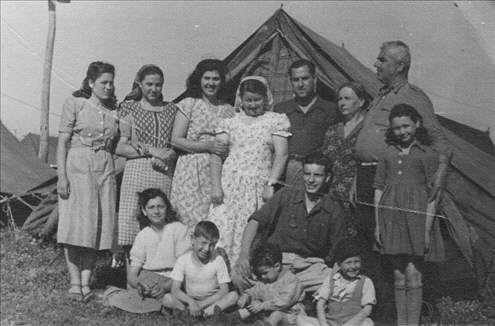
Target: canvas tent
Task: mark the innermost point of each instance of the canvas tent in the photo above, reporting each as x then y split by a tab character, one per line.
32	142
469	201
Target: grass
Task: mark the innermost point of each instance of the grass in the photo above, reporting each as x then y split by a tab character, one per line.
34	293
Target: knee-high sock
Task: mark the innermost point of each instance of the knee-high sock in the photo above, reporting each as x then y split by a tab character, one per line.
414	303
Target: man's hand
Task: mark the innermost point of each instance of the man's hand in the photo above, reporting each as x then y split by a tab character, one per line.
242	267
437	183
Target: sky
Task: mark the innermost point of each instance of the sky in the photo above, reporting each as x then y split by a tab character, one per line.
452	46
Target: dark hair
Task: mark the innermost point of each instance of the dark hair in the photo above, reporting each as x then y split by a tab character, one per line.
319	158
303	63
348	247
266	255
359	90
253	86
95	70
207	230
136	94
405	110
151	193
193	83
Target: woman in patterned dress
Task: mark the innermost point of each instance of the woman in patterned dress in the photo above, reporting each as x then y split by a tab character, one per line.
258	153
339	143
146	123
194	135
86	175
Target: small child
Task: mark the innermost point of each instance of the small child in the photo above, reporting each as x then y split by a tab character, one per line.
278	295
406	228
200	277
153	255
350	295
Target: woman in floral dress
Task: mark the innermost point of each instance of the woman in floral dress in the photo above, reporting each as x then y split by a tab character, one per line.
257	141
146	122
339	143
193	136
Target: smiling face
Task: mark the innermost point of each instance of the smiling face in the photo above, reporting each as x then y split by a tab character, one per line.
387	66
351	267
210	83
303	83
315	178
404	129
102	88
349	103
253	104
151	87
203	248
156	211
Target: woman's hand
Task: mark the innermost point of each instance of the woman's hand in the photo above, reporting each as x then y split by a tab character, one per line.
139	147
242	267
63	187
159	165
267	193
157	291
216	196
219	147
165	154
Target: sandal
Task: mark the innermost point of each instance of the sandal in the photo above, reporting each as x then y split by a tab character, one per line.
88	296
73	295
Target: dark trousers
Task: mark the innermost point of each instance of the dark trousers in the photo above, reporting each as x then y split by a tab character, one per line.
374	264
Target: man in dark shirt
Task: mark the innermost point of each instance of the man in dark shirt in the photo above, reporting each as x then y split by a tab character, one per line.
309	116
305	223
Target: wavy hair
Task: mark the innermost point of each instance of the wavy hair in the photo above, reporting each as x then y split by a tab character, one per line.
405	110
95	70
359	90
144	197
193	83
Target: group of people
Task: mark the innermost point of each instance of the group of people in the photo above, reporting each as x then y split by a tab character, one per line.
257	204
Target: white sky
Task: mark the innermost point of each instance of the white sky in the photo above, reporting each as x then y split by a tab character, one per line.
452	46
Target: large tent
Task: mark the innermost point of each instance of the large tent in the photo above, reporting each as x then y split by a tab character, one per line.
32	142
469	201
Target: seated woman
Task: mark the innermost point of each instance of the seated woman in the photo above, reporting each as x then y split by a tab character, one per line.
340	140
257	140
153	256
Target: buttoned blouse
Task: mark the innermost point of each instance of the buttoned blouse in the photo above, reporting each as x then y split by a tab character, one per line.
371	139
312	234
308	129
91	125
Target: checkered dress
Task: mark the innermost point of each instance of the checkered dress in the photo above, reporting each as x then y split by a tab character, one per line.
154	129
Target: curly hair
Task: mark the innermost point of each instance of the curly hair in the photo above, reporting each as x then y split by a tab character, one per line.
405	110
193	84
266	255
144	197
95	70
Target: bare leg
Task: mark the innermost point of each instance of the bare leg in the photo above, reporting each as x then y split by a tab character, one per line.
278	318
414	294
227	301
169	301
73	260
88	262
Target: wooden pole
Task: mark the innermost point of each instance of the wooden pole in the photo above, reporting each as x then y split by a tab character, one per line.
45	89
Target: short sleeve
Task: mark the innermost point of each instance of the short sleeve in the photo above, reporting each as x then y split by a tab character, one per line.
186	106
126	119
224	126
222	273
138	251
324	291
182	240
68	118
368	296
281	125
179	270
381	172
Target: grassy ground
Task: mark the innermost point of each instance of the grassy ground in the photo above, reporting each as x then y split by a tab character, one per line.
34	293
